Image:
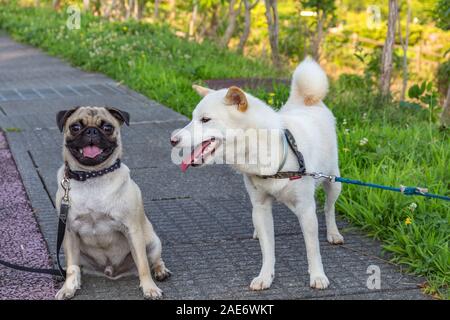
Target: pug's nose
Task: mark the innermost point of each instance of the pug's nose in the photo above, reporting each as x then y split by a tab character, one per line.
174	141
91	132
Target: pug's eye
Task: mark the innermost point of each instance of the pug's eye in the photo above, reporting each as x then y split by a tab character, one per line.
205	119
76	127
107	128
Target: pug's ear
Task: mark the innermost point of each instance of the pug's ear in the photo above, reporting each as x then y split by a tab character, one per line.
62	116
235	96
202	91
121	116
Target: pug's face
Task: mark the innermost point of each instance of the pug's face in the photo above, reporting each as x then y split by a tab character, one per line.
91	136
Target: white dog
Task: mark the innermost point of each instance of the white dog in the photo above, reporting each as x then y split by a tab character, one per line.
312	125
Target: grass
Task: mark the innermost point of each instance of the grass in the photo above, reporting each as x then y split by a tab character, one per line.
149	59
378	142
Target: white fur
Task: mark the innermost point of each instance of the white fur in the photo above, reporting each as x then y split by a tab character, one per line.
309	83
314	130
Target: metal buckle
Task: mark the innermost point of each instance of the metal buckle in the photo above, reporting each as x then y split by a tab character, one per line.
65	184
319	175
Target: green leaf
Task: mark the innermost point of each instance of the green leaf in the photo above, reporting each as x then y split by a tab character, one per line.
423	87
414	92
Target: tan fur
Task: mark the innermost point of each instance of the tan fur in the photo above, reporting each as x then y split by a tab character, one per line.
311	101
107	232
235	96
201	90
92	116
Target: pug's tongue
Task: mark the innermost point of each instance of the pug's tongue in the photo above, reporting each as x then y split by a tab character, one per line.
91	151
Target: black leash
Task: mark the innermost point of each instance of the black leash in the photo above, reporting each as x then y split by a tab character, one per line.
63	213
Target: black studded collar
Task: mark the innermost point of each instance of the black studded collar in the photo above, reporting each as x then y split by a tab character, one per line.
85	175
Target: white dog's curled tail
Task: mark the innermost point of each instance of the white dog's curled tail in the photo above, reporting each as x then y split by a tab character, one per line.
309	82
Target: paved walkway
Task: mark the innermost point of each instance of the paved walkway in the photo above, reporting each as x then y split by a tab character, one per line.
203	217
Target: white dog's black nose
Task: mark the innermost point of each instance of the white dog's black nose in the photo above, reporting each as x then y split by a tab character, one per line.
174	141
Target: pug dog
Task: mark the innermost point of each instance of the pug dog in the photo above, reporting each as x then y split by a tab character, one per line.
107	232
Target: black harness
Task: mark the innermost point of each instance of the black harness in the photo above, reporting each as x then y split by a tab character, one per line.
63	213
291	175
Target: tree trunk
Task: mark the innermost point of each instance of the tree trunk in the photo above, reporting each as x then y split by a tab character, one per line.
214	24
86	5
173	9
232	15
123	8
191	31
110	8
445	116
56	4
247	24
405	42
156	10
272	22
386	59
139	9
97	7
209	29
317	41
130	9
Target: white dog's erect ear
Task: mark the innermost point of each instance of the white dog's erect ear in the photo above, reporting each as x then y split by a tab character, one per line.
235	96
202	90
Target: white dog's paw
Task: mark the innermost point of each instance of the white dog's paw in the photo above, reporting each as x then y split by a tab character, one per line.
261	283
255	235
319	281
152	292
335	238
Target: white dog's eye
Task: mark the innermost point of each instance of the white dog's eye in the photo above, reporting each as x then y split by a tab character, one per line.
205	119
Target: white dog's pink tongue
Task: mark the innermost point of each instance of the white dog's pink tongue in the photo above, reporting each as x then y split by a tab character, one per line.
194	156
91	151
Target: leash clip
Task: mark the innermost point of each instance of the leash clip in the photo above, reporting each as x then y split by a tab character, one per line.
65	184
319	175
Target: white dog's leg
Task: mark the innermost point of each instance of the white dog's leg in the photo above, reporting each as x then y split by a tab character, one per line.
332	191
73	272
306	213
263	222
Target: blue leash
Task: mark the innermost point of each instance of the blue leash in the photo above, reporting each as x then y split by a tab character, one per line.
408	191
293	175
